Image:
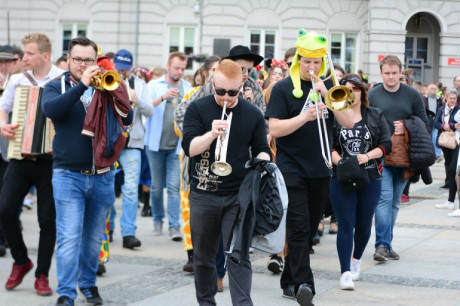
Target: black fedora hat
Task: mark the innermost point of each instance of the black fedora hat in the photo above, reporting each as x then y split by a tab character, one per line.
7	53
243	52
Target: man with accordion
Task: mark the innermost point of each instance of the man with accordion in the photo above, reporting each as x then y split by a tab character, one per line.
28	170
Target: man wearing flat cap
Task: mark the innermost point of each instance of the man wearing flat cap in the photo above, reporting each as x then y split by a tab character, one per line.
7	60
299	157
251	91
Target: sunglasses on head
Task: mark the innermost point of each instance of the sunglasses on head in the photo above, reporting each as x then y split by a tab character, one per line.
231	92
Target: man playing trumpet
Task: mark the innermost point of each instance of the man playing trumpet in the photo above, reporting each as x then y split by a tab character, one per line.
299	157
213	198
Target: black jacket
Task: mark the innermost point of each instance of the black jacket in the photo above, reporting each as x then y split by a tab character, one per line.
421	149
261	208
378	128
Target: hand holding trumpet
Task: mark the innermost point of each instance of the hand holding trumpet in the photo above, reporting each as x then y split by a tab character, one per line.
218	127
88	74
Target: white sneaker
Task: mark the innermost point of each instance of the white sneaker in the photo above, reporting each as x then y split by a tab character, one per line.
455	213
346	283
447	205
28	203
355	268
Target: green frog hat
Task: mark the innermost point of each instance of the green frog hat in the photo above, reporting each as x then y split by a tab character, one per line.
311	45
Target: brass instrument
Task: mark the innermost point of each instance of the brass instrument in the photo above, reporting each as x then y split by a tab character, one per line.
220	166
339	97
108	80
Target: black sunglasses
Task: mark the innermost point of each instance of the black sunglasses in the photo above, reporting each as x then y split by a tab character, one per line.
231	92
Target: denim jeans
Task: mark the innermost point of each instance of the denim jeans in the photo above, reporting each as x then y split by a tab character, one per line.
434	135
82	204
130	160
164	168
388	206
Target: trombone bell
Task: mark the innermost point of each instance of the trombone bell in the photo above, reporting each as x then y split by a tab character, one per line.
221	168
339	98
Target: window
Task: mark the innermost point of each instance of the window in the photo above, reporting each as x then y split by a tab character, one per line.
183	40
70	31
344	51
262	42
416	47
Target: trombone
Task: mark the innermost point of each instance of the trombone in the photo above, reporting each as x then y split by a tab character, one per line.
339	98
220	166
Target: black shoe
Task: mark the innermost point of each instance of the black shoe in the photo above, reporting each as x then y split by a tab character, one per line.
92	296
381	253
275	264
316	239
304	295
2	250
445	186
312	251
100	269
188	267
131	242
289	292
146	210
64	301
110	236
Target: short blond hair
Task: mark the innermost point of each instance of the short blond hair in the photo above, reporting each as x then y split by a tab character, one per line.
43	41
230	70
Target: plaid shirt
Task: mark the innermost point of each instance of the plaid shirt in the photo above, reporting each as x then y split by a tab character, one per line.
207	90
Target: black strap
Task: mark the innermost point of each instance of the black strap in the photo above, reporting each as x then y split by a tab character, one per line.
30	78
131	82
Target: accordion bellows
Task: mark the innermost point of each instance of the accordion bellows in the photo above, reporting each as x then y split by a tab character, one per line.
34	134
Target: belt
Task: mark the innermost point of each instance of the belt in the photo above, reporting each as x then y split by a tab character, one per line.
88	172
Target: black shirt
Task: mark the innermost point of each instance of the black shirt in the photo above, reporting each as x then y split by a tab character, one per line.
247	132
300	151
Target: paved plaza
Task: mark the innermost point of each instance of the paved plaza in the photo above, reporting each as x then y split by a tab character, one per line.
428	272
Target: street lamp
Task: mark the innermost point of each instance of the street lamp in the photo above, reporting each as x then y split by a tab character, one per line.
198	10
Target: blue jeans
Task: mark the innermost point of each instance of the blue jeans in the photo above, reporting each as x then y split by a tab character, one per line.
434	135
130	160
82	204
388	206
164	168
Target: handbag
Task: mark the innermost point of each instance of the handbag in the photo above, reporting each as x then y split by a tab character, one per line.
351	175
448	140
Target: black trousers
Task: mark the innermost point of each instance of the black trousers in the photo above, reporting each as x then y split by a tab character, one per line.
450	157
3	166
19	177
307	200
209	215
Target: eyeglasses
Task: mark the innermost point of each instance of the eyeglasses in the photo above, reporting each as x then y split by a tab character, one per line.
78	61
248	70
355	88
289	64
231	92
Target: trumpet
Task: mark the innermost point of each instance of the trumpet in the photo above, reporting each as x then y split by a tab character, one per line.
109	80
220	166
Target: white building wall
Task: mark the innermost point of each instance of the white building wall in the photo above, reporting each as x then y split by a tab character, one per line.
380	24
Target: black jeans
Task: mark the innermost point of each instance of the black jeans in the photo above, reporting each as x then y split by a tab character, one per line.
3	166
209	215
307	200
450	158
19	177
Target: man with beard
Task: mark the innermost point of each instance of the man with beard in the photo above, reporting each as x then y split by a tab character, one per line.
83	190
163	145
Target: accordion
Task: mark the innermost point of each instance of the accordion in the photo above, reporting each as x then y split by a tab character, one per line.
34	134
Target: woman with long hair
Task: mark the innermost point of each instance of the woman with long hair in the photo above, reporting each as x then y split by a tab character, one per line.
368	141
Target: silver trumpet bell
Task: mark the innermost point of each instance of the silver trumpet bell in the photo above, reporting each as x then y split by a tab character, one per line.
220	166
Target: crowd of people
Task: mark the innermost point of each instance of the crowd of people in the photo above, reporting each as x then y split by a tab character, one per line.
159	128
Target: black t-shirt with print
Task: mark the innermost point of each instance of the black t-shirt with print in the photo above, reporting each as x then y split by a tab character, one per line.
247	134
357	140
300	151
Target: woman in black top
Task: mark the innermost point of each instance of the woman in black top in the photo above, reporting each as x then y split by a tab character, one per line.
369	140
